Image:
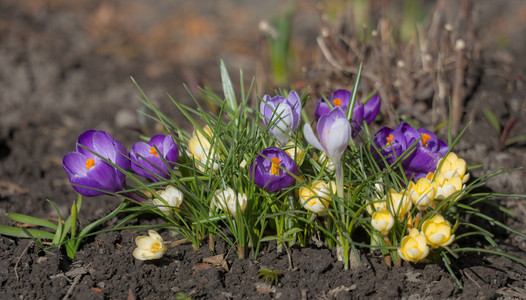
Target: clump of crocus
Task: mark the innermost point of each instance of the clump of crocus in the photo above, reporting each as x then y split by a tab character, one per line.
334	134
203	151
228	201
172	198
89	174
149	247
362	112
383	221
422	193
414	246
283	115
271	170
437	232
417	162
156	158
317	198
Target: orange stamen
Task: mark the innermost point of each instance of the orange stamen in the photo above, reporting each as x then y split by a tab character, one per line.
274	169
425	139
337	102
90	162
389	139
152	151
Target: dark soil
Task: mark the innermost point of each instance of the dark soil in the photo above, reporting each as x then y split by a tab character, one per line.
65	68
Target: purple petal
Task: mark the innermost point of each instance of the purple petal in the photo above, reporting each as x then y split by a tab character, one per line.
321	109
295	104
344	96
74	163
371	109
260	170
106	176
410	133
103	146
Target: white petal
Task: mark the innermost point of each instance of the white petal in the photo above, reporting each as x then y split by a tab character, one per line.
138	253
311	138
338	138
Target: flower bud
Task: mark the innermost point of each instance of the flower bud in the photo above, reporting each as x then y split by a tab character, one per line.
446	186
227	200
413	246
422	193
382	221
317	198
400	203
172	199
201	149
437	231
452	163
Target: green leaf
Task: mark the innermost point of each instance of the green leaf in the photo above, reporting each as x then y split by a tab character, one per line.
228	88
516	139
492	119
22	232
20	218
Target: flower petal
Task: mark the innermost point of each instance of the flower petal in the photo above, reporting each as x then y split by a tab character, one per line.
311	138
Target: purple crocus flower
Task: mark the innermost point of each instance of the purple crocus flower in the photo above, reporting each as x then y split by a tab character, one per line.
340	98
391	143
268	170
282	113
334	133
420	160
89	174
362	112
147	158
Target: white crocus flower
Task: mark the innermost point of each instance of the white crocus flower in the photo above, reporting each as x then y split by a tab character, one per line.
228	201
149	247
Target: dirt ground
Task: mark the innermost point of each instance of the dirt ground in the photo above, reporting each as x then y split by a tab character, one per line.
65	68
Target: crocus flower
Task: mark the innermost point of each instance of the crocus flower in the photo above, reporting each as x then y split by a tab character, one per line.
270	170
171	197
382	221
437	232
399	203
376	205
446	185
228	200
391	143
147	158
418	161
316	198
422	193
149	247
334	133
452	163
89	174
413	246
340	98
362	112
283	114
295	152
201	149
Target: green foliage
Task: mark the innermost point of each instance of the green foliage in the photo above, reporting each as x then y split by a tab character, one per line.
217	157
269	276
